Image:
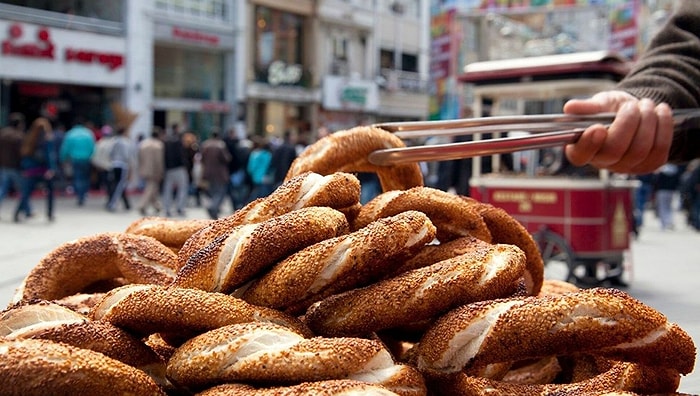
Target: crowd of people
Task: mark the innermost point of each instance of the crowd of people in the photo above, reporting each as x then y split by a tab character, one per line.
170	168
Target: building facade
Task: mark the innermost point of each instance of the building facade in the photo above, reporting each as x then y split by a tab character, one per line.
256	66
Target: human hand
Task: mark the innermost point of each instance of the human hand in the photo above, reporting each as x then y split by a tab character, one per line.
637	141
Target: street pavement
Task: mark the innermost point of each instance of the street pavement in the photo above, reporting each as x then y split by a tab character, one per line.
663	273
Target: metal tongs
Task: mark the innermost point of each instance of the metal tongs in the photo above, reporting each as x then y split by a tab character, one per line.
544	131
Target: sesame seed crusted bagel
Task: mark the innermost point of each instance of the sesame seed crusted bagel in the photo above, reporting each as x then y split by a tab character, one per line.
605	322
424	293
347	151
39	367
341	387
452	216
505	228
181	312
341	263
170	232
75	265
53	322
245	251
338	191
270	354
626	377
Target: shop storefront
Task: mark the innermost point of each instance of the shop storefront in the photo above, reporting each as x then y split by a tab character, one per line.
192	68
348	102
59	73
281	97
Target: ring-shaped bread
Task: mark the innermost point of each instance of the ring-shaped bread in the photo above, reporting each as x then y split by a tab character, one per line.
181	312
338	191
170	232
266	353
423	293
348	150
341	263
452	216
605	322
31	367
245	251
75	265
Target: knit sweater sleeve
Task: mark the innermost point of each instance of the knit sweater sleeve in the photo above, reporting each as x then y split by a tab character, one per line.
669	71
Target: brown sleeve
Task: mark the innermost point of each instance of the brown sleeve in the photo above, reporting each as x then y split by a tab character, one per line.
669	71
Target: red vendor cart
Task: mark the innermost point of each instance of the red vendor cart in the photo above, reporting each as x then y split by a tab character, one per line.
582	224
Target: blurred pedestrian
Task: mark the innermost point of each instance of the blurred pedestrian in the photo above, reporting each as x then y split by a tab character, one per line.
151	169
101	162
122	157
667	181
176	181
215	171
38	165
258	168
192	157
76	150
10	144
237	187
282	157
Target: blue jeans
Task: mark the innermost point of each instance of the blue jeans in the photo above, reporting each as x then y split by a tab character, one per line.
81	179
28	186
9	177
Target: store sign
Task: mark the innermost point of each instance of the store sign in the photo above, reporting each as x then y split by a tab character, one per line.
351	94
281	73
110	60
16	45
73	56
43	47
195	36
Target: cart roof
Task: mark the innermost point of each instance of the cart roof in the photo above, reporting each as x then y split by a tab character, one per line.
595	64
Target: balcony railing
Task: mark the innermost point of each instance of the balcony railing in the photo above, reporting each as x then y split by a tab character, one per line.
399	80
60	20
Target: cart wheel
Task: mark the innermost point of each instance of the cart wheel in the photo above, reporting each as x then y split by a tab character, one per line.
558	258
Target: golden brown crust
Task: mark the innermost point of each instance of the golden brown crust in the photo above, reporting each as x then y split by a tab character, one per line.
452	216
556	287
318	388
170	232
50	321
75	265
420	294
35	367
341	263
338	190
245	251
433	253
347	151
622	377
506	229
180	312
271	354
607	322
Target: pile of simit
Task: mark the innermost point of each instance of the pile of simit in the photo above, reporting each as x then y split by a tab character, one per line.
308	292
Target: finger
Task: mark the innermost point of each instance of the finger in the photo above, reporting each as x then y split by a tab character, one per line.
583	106
639	142
619	137
587	146
663	138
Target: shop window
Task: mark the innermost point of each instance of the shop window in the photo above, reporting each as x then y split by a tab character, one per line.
278	50
110	10
215	10
188	73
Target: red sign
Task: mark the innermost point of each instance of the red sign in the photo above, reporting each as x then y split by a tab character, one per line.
111	60
42	48
193	35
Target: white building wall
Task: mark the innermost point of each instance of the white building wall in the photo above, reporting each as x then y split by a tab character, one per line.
138	91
